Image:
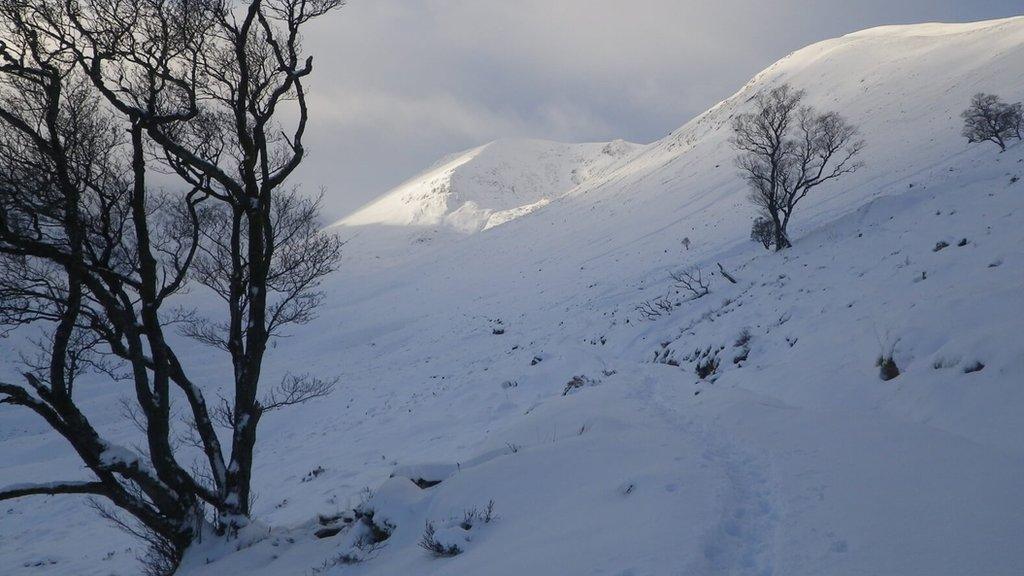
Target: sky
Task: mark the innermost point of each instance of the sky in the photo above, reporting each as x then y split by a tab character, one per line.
398	84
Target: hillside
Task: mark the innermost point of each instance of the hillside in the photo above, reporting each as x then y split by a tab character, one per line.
484	187
792	458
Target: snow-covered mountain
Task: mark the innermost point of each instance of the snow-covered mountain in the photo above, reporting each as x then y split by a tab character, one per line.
489	185
511	365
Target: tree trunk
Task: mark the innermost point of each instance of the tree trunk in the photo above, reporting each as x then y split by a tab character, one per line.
779	228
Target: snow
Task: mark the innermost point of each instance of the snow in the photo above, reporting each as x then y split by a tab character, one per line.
487	186
42	485
114	455
797	460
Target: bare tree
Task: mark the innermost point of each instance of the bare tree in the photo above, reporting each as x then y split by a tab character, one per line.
655	308
95	96
692	280
787	149
989	119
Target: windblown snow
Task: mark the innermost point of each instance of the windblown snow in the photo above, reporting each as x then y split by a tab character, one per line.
497	356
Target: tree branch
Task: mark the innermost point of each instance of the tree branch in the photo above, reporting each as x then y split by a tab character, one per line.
52	488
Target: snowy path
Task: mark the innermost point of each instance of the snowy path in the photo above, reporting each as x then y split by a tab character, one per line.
848	493
740	541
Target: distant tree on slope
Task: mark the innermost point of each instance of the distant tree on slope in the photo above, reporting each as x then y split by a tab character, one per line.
989	119
788	149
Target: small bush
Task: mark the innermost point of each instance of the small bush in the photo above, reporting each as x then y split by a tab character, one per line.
692	281
474	516
655	308
887	369
763	232
376	531
347	559
343	559
429	543
975	366
707	366
313	474
741	356
578	382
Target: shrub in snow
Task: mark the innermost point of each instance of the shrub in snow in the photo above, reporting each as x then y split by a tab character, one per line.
430	543
989	119
475	516
940	245
741	356
497	327
655	308
706	361
343	559
762	231
578	382
742	342
448	541
707	366
665	355
313	474
975	366
887	369
375	533
368	532
692	281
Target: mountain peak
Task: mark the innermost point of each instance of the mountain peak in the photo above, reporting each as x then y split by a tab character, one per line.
486	186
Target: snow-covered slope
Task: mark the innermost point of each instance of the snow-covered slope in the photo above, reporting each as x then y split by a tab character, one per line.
793	458
492	184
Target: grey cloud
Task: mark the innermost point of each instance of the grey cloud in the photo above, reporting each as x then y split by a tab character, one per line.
400	83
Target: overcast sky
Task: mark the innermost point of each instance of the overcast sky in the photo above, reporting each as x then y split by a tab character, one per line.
400	83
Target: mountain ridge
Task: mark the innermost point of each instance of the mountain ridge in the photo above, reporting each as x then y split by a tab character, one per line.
485	186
